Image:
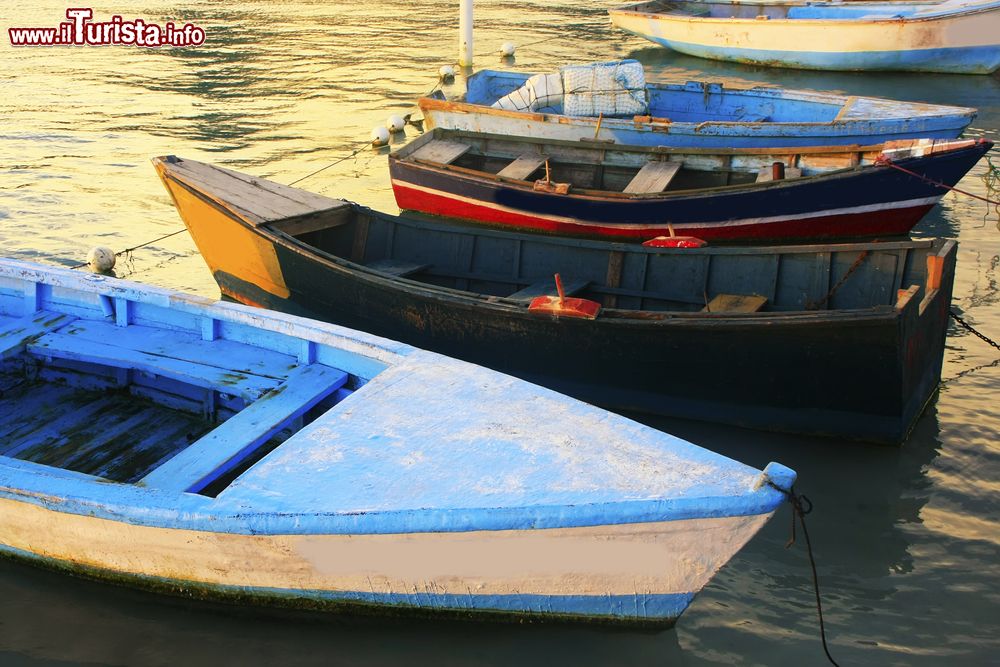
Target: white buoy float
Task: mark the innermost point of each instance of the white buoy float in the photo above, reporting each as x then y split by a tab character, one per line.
507	49
101	259
380	136
446	73
395	124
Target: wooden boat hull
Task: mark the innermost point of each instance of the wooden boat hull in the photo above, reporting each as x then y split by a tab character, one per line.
404	481
699	114
516	574
859	203
962	41
863	374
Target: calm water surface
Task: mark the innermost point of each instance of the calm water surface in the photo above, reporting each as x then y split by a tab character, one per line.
906	539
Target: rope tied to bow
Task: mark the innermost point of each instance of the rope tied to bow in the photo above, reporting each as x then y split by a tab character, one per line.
886	161
801	505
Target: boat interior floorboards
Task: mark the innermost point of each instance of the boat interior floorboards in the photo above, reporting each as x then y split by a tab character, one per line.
107	433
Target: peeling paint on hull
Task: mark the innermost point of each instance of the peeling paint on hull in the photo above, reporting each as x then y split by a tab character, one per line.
956	38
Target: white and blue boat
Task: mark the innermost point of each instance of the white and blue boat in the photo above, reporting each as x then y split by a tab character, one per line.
211	449
695	114
954	36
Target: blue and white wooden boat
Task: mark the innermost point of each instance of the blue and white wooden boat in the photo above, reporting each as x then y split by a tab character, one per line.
954	36
701	114
211	449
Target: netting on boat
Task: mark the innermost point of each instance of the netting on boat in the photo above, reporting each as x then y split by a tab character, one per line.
616	88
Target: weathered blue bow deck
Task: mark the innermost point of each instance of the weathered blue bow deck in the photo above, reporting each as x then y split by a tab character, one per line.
217	450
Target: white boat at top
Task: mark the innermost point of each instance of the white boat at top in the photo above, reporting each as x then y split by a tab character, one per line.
955	36
615	103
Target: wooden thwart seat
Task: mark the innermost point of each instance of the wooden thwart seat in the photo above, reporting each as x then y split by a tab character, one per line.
735	303
15	334
548	288
653	177
440	151
397	267
239	437
76	348
522	167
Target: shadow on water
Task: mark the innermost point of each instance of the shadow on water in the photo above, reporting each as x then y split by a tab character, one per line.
108	625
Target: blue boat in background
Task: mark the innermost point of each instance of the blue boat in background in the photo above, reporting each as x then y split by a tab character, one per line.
209	449
692	114
954	36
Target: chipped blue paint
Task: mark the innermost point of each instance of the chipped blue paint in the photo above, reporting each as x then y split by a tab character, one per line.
702	114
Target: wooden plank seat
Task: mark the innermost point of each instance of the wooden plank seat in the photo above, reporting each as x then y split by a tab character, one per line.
397	267
521	168
228	355
548	288
440	151
735	303
239	437
248	386
16	333
653	177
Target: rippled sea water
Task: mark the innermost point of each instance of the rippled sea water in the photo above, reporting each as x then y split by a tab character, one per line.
906	539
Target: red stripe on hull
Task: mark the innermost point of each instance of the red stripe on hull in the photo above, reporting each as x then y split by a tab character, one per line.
888	222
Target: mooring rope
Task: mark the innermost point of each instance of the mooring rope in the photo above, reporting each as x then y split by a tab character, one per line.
128	251
883	160
335	162
799	512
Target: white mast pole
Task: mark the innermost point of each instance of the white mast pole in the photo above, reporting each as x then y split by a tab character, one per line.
465	33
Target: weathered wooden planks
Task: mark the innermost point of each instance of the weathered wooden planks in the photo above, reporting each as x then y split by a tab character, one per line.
257	201
62	346
522	167
653	177
15	333
223	448
735	303
441	151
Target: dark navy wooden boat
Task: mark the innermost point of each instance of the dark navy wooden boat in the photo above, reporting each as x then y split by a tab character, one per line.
843	340
604	190
215	450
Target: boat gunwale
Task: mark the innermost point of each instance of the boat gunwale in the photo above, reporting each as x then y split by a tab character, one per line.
68	492
373	347
830	98
404	155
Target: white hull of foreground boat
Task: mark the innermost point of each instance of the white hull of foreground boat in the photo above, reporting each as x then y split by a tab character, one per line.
645	572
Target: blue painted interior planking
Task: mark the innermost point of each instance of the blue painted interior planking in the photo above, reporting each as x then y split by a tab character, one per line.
309	499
